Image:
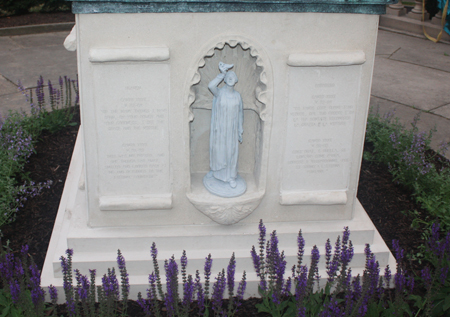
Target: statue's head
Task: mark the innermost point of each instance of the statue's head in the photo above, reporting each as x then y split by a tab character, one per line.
230	78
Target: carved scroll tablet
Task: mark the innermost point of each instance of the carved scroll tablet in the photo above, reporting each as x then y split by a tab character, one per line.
322	100
338	197
150	54
132	125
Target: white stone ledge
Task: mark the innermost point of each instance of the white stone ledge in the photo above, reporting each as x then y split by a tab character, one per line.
311	59
147	54
126	203
337	197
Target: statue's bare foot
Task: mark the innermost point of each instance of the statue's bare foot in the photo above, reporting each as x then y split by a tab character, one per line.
233	183
210	174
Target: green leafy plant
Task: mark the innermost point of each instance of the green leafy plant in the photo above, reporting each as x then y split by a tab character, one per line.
7	307
435	277
18	134
407	155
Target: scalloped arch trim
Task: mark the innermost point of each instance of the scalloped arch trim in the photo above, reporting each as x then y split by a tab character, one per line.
260	93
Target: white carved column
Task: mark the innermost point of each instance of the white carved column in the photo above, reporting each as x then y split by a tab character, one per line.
397	9
416	12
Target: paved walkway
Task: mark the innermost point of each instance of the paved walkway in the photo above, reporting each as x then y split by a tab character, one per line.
411	75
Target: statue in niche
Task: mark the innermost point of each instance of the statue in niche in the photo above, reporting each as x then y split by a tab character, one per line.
227	120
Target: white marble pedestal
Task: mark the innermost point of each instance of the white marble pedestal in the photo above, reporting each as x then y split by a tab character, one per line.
136	176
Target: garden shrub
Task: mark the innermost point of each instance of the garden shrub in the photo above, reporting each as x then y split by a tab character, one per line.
17	7
18	134
409	159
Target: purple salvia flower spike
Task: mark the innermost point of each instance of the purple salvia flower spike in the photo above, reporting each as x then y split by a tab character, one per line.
262	259
357	289
188	291
15	291
400	281
171	298
66	265
256	261
207	272
313	271
328	249
114	283
37	293
301	289
154	254
217	294
24	250
200	294
53	292
241	288
124	280
287	287
410	283
387	276
152	294
240	293
144	305
301	250
184	262
345	236
426	277
230	275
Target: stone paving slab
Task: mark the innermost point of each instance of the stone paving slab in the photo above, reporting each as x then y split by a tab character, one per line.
34	29
443	111
414	85
6	87
40	40
388	42
29	56
406	115
437	58
14	102
411	50
7	44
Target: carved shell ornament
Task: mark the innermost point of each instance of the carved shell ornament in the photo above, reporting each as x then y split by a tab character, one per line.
228	214
252	84
248	66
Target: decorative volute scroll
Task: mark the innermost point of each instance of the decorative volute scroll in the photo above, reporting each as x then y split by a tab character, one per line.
255	86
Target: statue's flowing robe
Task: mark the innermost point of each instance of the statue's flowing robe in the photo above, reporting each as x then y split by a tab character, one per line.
226	125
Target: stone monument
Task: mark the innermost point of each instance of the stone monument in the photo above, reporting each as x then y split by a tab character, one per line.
304	71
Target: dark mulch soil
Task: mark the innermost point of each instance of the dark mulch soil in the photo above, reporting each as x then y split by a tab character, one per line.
34	223
36	18
388	205
246	309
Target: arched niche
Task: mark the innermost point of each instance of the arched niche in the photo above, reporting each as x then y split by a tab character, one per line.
255	86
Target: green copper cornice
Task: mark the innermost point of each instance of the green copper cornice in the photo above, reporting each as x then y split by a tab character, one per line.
167	6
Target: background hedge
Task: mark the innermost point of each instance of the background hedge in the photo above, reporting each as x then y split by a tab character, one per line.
16	7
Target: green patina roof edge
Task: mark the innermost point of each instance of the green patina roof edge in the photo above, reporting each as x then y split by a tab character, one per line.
204	6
